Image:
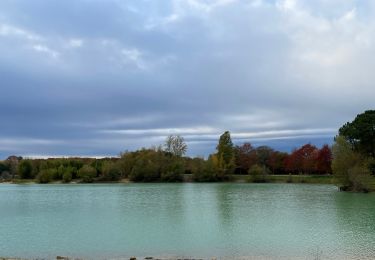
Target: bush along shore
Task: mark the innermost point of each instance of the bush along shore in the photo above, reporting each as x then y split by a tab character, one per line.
349	163
188	178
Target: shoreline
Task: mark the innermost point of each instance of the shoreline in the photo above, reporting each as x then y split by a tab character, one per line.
316	256
188	178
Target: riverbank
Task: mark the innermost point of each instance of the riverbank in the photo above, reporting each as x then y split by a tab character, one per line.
309	179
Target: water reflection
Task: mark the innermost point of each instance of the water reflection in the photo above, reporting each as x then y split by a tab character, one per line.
224	201
355	224
201	220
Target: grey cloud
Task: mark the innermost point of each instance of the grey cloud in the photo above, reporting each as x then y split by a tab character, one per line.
83	75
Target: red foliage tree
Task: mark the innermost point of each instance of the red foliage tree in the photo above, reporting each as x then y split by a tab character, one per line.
302	159
324	160
245	156
293	163
276	162
309	154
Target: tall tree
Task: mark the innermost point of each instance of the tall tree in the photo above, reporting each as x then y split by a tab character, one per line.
175	145
361	133
225	152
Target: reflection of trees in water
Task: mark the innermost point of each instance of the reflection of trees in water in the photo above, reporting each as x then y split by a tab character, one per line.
224	196
355	223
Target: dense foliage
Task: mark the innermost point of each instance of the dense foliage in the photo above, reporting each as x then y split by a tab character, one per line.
87	173
354	154
361	133
168	164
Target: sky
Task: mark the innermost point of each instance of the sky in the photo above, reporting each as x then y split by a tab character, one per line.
98	77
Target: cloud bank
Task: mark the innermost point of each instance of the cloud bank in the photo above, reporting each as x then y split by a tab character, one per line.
96	77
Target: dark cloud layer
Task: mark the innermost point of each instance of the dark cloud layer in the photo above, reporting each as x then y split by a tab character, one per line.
95	77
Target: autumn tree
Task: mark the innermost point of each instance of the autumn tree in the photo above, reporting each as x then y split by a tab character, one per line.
309	154
207	171
324	159
302	160
245	157
276	162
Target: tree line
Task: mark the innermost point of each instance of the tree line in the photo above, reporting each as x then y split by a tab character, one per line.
168	163
351	160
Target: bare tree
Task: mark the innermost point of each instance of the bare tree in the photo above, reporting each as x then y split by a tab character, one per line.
175	145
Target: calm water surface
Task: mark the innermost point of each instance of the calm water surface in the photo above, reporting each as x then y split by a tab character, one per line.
188	220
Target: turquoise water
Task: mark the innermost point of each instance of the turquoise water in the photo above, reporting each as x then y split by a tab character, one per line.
187	220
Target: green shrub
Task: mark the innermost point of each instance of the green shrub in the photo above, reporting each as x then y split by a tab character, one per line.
110	171
207	172
173	172
145	171
46	175
360	178
258	174
67	176
5	175
352	171
290	178
87	173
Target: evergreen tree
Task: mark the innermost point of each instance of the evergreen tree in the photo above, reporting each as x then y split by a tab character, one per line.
361	133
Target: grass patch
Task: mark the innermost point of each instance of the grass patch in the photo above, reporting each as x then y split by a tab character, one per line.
372	184
318	179
23	181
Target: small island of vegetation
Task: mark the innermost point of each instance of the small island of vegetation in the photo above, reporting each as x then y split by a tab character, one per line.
349	163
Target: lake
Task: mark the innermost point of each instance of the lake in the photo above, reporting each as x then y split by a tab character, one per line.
187	220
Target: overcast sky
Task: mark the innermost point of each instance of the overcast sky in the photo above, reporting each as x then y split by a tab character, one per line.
97	77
